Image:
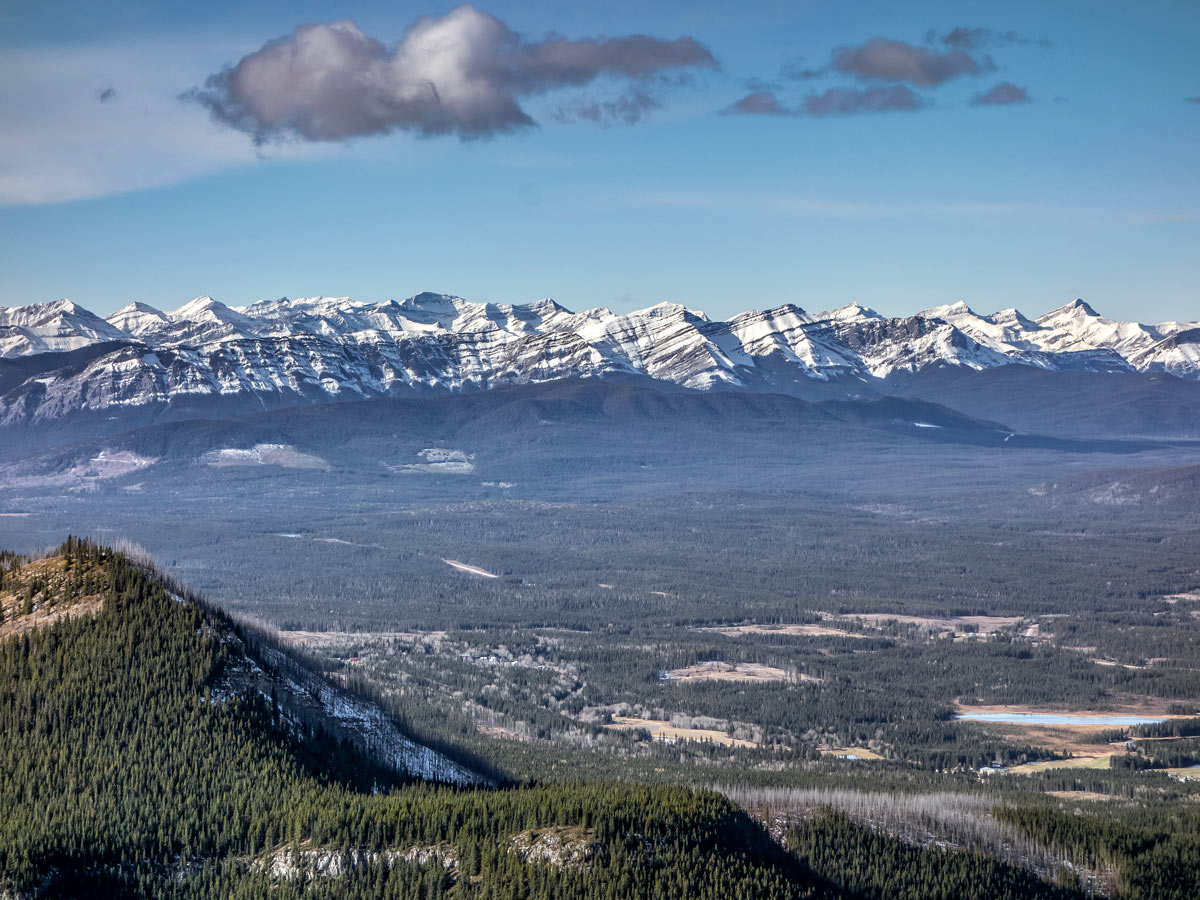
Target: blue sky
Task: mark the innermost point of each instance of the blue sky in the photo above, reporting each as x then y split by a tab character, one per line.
114	189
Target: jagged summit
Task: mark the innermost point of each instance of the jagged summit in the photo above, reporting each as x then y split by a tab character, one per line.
850	312
299	350
54	327
1081	306
1013	316
953	309
34	313
137	307
1076	310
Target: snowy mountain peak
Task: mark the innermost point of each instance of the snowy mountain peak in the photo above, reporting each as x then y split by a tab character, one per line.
43	312
67	307
547	307
1076	309
316	348
851	312
1015	318
197	307
51	328
950	310
137	307
1077	326
431	301
667	309
137	319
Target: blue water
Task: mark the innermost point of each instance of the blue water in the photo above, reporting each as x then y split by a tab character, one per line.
1057	719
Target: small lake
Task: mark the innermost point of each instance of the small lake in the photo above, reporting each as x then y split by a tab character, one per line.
1057	719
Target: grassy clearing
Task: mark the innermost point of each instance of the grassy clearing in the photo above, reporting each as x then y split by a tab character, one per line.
664	731
938	624
1091	796
796	630
722	671
33	597
1100	761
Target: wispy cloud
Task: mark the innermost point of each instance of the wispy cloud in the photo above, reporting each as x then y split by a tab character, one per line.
810	207
465	73
852	101
883	59
1003	94
758	103
968	38
831	102
64	140
627	109
898	67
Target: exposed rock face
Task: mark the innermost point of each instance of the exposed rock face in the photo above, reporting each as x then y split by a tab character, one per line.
316	864
57	359
560	846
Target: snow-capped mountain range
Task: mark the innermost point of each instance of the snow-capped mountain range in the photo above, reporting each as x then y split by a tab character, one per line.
290	351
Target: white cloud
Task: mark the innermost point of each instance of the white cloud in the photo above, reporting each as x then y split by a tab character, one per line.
464	73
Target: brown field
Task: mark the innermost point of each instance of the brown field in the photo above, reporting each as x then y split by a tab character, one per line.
1188	774
1081	795
664	731
720	671
1175	598
1070	738
804	630
982	624
1096	761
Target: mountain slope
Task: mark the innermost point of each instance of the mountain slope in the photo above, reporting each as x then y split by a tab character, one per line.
138	761
559	433
1074	403
1171	488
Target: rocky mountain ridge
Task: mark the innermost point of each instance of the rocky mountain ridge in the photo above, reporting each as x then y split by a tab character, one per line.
58	358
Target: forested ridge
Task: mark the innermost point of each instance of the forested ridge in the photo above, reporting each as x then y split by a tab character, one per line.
130	767
121	772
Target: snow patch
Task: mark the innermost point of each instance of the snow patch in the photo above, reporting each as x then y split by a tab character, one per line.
440	461
281	455
473	570
84	475
369	725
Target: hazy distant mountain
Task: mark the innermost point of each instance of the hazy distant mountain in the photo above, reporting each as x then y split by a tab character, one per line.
58	359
